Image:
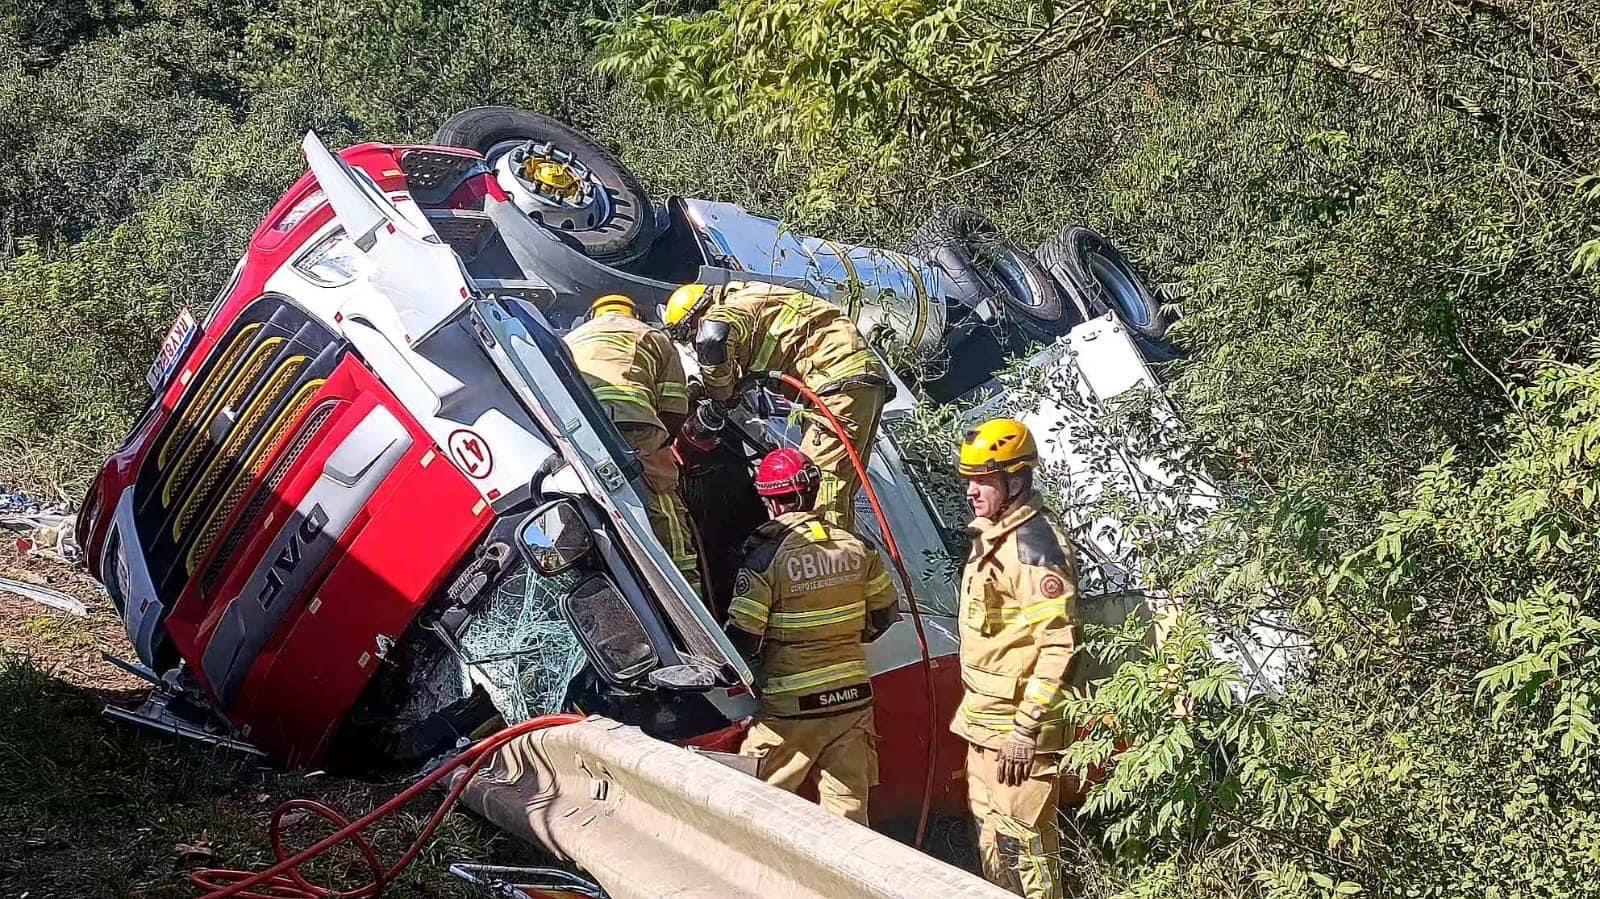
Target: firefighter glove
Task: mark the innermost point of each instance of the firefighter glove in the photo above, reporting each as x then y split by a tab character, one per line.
711	343
1016	757
879	622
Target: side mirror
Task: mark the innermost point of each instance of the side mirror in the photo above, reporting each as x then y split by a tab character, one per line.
554	537
609	629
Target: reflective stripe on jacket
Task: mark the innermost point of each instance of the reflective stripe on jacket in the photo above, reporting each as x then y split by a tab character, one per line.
773	328
1018	621
806	588
633	369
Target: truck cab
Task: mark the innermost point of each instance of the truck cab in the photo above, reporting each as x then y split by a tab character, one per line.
372	508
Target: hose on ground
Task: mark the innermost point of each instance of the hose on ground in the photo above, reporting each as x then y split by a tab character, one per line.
284	880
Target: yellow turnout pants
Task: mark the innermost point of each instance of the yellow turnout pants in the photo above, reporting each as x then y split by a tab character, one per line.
840	747
669	517
858	409
1019	839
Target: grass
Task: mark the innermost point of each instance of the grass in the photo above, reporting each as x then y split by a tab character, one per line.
59	632
92	808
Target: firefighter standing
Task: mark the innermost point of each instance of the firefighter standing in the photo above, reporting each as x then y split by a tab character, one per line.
636	374
1018	638
806	596
745	327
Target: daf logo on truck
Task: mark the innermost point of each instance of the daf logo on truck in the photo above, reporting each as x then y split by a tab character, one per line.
292	555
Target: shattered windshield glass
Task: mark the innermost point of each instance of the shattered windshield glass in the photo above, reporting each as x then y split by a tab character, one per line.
519	648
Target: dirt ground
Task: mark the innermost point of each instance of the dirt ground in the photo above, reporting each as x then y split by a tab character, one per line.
61	645
91	807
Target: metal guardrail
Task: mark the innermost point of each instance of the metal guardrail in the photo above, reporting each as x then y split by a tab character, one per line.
647	819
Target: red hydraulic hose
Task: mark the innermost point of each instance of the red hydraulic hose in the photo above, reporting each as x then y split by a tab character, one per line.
284	880
905	581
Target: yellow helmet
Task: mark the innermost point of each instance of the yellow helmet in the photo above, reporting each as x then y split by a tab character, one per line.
682	304
999	444
613	302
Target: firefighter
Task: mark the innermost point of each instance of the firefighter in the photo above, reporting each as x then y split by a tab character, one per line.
745	327
636	374
807	595
1018	638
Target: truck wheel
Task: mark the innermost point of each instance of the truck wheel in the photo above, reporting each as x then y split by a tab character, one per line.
967	246
608	216
1096	278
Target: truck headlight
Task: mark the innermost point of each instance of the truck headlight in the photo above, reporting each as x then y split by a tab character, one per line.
124	577
332	262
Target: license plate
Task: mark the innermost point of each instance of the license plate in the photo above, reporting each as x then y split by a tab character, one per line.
173	347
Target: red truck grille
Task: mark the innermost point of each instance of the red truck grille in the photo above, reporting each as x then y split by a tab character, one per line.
268	486
226	437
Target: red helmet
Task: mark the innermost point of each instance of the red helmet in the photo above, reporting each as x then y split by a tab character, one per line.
786	471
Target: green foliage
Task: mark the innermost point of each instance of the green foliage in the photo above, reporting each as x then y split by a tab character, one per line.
1367	214
1587	257
814	79
1181	748
1522	531
1558	666
857	88
143	143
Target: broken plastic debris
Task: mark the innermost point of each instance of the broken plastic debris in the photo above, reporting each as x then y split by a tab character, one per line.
46	528
55	599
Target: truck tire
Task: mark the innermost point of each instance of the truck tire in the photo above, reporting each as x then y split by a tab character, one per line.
968	247
1096	278
629	229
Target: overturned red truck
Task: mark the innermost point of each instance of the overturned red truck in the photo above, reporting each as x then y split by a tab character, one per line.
372	510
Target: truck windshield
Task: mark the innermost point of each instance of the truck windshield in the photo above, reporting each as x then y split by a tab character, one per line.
519	649
917	531
536	365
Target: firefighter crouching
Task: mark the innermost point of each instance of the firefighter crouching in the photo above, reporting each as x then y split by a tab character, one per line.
745	327
807	594
636	374
1018	638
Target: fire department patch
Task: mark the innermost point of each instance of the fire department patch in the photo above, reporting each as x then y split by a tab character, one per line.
1052	586
741	582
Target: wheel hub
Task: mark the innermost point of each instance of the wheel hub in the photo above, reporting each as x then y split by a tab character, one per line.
552	185
1002	265
555	178
1121	291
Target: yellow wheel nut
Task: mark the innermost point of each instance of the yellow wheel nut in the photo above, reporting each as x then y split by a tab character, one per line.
554	177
